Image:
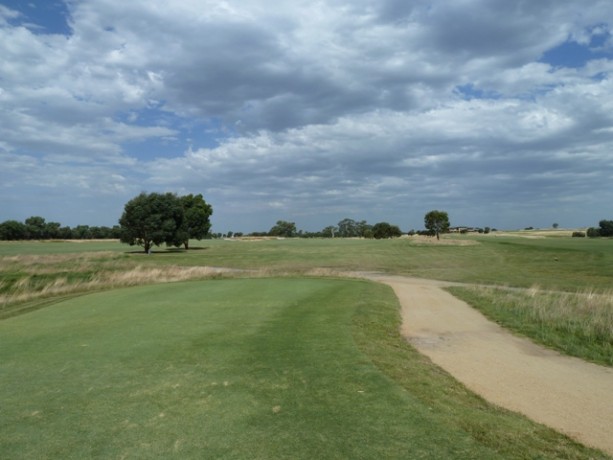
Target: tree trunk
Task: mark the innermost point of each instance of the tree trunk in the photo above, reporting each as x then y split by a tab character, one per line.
186	244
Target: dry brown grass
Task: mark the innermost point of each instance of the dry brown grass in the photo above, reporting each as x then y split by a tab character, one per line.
540	233
578	323
444	241
26	278
590	311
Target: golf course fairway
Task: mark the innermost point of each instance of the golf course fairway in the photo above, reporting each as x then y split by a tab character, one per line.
241	368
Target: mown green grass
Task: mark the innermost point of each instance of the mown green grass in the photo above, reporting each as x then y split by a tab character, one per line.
21	248
243	368
552	263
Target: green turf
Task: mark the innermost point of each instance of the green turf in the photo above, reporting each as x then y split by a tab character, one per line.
14	248
556	263
245	368
562	263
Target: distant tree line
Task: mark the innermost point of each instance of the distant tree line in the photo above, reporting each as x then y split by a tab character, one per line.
37	228
435	222
346	228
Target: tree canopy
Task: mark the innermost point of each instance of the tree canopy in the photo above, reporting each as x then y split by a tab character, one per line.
283	228
13	230
606	227
156	218
383	230
196	219
348	228
436	222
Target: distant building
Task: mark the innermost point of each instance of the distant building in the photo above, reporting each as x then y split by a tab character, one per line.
463	230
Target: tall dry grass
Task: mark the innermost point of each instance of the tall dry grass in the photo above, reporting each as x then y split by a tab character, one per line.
27	278
578	323
587	312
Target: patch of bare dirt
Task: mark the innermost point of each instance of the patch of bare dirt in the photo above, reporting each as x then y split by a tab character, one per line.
568	394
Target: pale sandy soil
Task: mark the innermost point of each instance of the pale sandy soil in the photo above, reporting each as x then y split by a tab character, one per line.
567	394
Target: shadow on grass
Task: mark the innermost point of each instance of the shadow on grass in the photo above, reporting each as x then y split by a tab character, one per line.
169	251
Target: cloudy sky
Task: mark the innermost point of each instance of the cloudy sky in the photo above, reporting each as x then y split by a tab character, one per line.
499	112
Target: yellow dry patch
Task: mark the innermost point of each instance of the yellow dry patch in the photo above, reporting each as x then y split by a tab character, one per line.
444	241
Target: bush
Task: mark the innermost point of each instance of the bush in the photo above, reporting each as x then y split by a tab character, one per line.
593	232
606	228
578	234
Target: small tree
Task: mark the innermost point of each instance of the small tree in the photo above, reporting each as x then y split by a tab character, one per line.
436	222
151	219
329	232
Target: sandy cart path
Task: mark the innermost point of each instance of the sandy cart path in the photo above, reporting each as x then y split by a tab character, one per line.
567	394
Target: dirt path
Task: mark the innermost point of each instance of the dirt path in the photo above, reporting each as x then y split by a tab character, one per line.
567	394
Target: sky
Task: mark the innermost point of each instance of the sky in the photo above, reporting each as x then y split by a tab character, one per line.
498	112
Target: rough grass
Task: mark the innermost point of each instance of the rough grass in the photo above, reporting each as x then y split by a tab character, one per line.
30	280
578	324
565	264
243	368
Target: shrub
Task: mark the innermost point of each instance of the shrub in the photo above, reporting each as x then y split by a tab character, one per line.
578	234
606	227
593	232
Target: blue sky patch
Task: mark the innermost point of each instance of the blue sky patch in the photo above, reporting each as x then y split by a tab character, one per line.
40	16
575	55
469	91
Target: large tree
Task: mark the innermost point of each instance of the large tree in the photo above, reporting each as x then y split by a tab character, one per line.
35	227
150	219
437	222
347	228
196	219
385	230
283	228
13	230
